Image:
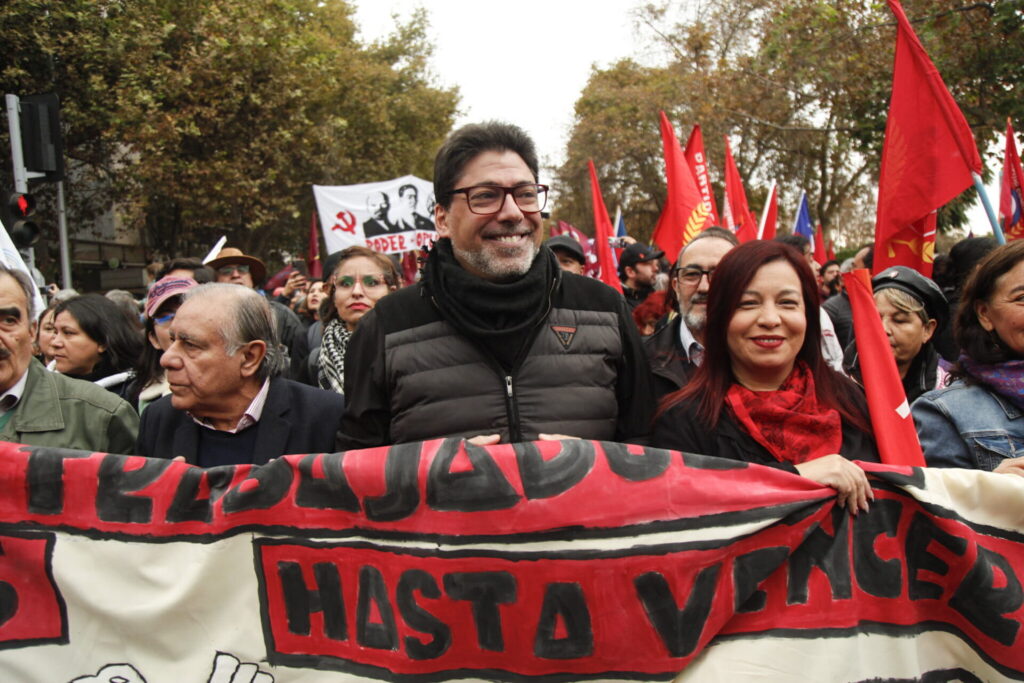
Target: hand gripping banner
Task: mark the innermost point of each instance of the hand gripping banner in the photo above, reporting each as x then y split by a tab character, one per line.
545	561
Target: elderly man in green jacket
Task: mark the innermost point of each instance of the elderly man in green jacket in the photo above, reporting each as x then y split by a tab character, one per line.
41	408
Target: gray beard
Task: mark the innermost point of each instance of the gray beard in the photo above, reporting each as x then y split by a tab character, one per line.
695	322
498	269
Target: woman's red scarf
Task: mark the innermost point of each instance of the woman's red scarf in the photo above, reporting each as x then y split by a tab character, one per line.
789	422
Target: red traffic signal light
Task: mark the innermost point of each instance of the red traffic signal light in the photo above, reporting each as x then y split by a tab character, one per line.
17	219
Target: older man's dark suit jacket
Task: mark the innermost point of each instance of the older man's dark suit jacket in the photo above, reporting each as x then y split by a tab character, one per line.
296	418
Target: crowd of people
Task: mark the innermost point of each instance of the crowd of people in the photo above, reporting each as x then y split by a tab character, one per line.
739	351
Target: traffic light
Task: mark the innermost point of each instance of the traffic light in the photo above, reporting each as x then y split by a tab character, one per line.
18	212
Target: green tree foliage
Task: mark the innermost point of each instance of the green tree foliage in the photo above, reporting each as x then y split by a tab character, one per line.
212	117
802	90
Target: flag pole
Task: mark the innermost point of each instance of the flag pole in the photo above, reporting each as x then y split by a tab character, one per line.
764	211
996	229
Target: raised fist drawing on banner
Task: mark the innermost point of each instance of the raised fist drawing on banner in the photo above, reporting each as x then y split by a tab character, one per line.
226	669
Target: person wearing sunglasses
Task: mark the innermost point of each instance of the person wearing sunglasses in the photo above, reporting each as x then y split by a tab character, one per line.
360	279
495	343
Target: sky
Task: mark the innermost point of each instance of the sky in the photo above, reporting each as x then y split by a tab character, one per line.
556	42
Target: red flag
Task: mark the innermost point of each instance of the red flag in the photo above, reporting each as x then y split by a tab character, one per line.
819	245
313	263
890	413
737	212
698	161
685	213
927	158
771	214
831	250
1011	196
602	232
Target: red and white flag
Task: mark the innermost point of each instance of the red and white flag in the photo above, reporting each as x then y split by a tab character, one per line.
770	215
685	213
927	158
819	245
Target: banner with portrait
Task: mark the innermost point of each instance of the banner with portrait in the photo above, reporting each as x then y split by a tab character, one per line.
392	217
572	560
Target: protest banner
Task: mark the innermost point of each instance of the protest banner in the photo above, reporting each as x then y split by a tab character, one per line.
392	217
571	560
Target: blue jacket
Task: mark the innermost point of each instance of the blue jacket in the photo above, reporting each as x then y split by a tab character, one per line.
966	425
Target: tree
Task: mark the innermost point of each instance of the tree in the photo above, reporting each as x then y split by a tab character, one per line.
214	117
801	88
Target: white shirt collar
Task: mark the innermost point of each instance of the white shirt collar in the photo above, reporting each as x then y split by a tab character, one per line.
10	398
691	347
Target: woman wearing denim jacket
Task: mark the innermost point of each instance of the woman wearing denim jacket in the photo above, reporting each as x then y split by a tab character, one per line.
978	421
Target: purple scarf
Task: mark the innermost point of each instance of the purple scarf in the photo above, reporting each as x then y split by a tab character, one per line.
1005	379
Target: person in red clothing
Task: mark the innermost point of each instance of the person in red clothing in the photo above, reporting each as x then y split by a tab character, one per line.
764	393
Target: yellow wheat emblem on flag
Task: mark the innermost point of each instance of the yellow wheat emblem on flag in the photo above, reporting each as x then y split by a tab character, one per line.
696	222
922	247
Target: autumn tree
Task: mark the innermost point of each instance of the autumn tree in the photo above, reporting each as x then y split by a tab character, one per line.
801	88
215	117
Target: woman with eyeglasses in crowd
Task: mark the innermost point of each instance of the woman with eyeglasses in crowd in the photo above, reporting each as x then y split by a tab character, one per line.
361	277
162	302
764	393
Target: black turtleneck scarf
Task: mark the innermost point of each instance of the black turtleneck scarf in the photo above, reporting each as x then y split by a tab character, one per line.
500	316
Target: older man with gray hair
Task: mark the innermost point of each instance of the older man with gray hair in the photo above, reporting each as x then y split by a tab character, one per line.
43	408
228	403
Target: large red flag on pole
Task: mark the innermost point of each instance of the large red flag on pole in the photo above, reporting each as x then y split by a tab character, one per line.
927	158
737	211
890	413
698	161
770	215
313	263
602	232
1011	195
685	213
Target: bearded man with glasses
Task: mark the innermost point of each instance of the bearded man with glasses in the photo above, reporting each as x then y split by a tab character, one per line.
496	343
676	349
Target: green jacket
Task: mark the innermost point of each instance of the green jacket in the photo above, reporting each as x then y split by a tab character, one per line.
61	412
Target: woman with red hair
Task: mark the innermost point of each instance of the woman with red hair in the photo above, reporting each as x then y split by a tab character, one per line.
764	394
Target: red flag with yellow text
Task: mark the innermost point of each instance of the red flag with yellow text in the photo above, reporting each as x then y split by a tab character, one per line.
602	232
887	402
698	162
1011	195
737	211
927	158
685	213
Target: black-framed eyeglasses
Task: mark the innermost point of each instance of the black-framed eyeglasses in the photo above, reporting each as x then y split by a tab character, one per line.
226	271
488	199
691	275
